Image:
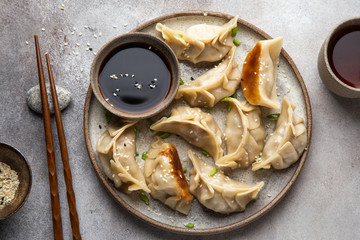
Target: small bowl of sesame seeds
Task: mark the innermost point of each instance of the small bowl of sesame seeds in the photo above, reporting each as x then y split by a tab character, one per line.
15	180
135	75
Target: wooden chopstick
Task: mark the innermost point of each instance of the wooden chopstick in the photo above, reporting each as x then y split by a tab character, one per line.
64	156
54	194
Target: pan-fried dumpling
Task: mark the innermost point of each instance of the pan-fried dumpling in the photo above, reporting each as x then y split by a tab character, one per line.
212	86
244	135
195	126
200	43
288	141
165	178
117	157
259	73
218	192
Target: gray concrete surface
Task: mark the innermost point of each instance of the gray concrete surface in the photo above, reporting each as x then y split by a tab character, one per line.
323	203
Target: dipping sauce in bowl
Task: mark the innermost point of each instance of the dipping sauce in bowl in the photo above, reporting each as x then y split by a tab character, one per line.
344	55
135	78
135	75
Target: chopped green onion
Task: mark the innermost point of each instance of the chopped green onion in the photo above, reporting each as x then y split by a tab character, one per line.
207	110
233	32
108	115
144	198
181	82
190	225
229	108
213	172
137	154
205	153
165	135
273	116
181	35
184	170
136	132
260	169
236	42
234	95
224	99
143	155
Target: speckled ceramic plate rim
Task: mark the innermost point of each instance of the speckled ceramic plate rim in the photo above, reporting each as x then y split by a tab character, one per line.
229	227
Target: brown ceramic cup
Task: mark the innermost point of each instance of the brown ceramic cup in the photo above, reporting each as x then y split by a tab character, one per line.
137	38
331	81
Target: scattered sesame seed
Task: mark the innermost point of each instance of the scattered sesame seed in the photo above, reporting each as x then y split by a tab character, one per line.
269	195
95	36
94	53
278	94
81	69
115	95
133	75
62	8
72	33
288	90
149	47
155	79
86	27
106	99
118	90
126	75
75	53
100	34
43	29
74	28
114	26
125	24
65	44
88	44
80	34
205	14
77	44
26	42
87	49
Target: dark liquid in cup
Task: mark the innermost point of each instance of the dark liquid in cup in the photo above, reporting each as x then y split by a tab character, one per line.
344	55
135	78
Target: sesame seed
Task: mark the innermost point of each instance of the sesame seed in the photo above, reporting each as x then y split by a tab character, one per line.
155	79
278	94
269	195
81	69
86	27
43	29
115	95
114	26
87	49
75	53
80	34
205	14
72	33
65	43
149	47
95	36
77	44
100	34
126	75
133	75
62	8
88	44
74	28
125	24
106	99
26	42
94	53
118	90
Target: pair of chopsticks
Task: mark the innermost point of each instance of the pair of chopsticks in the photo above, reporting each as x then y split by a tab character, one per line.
55	202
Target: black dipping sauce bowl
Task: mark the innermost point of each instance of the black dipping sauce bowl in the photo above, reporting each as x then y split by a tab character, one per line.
135	75
13	158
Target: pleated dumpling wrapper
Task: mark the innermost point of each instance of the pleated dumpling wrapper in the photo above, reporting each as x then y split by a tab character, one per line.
201	42
288	141
165	178
195	126
217	191
217	83
116	149
244	135
259	73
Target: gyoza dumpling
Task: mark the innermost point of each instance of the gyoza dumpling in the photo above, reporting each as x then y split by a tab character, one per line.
218	192
244	135
212	86
200	43
259	73
165	178
288	141
195	126
117	157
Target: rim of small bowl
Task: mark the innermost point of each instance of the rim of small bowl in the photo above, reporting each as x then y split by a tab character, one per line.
17	152
136	37
339	27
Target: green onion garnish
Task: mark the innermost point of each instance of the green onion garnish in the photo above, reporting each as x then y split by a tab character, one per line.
207	110
143	155
165	135
184	170
181	82
144	198
108	115
260	169
205	153
234	95
213	172
229	108
181	35
236	42
190	225
273	116
137	154
224	99
233	32
136	132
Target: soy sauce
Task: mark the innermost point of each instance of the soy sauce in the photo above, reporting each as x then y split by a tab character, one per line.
135	78
344	55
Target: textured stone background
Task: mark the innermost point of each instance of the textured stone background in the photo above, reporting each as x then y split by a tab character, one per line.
324	202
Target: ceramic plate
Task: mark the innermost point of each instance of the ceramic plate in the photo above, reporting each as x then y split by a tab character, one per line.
277	183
